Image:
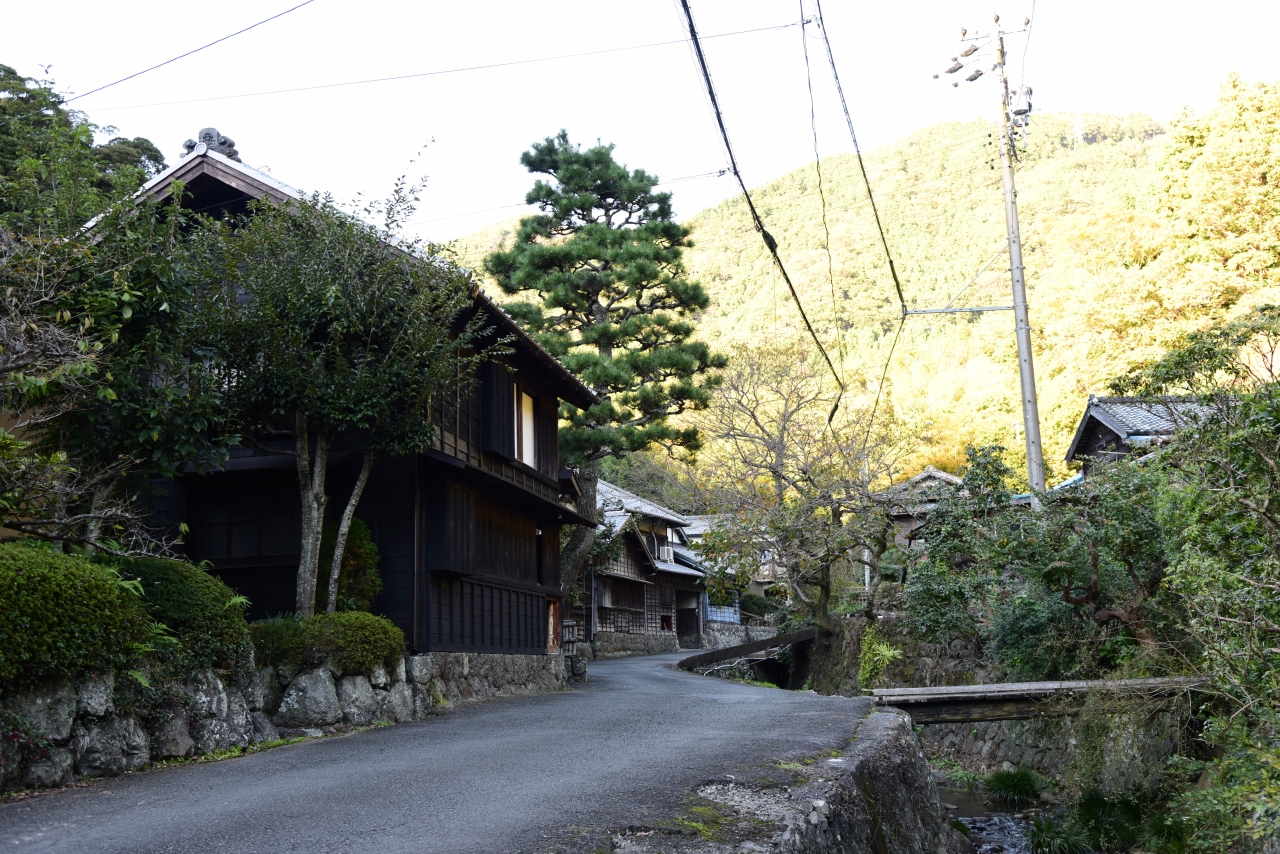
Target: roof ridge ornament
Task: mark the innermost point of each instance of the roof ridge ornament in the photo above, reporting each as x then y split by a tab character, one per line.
211	140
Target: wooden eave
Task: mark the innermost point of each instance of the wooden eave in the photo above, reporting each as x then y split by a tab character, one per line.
566	386
1093	413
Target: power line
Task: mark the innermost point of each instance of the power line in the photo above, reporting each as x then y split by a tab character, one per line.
190	52
699	176
441	71
822	194
769	242
1031	22
174	59
858	151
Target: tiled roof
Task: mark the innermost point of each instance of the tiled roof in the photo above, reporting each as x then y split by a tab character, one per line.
1133	418
611	499
1149	416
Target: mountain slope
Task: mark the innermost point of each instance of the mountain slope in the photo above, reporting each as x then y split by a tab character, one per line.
1110	250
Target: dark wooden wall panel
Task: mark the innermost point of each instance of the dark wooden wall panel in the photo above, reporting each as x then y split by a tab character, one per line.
470	616
506	543
387	508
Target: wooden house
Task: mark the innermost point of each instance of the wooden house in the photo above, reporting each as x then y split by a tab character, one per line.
468	530
649	597
910	502
1116	427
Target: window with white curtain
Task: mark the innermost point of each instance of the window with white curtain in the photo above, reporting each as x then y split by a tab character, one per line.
524	410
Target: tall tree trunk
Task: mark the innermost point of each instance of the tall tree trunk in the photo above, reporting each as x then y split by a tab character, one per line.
340	544
574	558
311	474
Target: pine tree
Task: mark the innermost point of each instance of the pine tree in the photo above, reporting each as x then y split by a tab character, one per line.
613	303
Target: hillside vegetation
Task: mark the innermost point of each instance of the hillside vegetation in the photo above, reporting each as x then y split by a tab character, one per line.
1133	233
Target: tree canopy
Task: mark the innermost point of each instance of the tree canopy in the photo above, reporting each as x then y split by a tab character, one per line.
607	293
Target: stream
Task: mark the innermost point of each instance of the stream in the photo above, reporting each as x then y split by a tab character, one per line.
992	829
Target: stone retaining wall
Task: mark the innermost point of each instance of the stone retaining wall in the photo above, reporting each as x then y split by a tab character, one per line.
623	644
723	635
1132	753
63	731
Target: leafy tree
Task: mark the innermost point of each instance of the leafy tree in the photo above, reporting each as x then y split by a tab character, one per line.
96	328
328	326
1225	515
611	299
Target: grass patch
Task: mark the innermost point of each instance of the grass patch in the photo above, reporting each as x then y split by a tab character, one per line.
1017	788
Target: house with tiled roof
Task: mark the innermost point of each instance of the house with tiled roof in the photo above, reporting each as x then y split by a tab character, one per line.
1116	427
649	595
468	530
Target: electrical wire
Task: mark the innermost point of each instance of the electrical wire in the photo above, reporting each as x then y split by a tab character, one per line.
893	270
902	300
174	59
699	176
769	242
441	71
822	194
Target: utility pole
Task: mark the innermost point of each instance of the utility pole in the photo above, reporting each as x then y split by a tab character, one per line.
1012	117
1022	323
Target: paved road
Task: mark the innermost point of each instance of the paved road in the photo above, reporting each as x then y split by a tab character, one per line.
503	776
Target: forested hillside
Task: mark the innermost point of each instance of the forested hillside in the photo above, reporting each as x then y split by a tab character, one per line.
1134	234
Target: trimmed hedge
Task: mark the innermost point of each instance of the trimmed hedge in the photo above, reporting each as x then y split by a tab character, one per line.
61	616
203	613
357	641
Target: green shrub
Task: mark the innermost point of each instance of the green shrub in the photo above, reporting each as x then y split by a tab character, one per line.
278	641
205	616
1111	823
875	654
359	582
61	616
1051	835
760	606
356	640
1017	788
1036	636
359	641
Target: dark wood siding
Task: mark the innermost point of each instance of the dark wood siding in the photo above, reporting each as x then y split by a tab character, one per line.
468	615
387	508
497	393
507	542
547	435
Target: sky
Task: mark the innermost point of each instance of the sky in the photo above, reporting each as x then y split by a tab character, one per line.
464	130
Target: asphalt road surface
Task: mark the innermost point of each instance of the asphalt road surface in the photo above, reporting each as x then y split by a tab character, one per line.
507	775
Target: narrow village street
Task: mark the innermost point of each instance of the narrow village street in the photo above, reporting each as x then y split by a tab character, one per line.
509	775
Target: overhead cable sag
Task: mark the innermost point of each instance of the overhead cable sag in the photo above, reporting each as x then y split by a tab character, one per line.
822	193
770	243
893	270
174	59
439	72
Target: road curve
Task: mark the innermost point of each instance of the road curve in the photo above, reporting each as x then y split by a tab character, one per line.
508	775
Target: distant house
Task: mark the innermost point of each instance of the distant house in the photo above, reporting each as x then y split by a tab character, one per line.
1116	427
650	596
468	530
769	572
910	502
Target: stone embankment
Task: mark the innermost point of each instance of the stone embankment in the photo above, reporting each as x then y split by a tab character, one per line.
1132	753
60	732
876	797
715	635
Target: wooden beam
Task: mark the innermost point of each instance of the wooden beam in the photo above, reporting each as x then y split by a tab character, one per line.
742	650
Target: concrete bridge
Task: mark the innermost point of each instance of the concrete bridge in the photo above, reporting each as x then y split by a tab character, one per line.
1012	701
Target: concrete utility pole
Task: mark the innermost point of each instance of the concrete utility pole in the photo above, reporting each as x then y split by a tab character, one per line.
1012	116
1022	323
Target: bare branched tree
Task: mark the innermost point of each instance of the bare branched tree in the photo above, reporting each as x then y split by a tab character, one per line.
794	488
